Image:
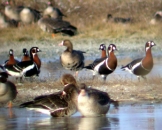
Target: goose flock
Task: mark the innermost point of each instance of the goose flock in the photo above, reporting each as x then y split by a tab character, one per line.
74	96
50	20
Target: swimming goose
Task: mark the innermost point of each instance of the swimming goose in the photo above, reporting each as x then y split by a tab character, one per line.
8	90
93	102
142	66
52	25
104	66
71	59
58	104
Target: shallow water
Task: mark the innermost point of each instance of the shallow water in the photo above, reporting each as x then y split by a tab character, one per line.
127	117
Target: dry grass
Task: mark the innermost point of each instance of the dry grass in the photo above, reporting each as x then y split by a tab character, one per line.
90	18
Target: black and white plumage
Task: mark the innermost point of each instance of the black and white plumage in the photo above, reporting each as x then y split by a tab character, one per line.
59	104
26	68
93	102
104	66
142	66
53	25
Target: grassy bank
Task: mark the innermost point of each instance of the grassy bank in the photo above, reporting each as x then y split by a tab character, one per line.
90	17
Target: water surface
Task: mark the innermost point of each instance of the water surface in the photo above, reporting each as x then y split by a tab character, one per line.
127	117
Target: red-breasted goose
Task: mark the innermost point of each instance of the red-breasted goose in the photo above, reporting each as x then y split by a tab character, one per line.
59	104
142	66
26	68
26	56
11	60
104	66
103	50
8	91
93	102
71	59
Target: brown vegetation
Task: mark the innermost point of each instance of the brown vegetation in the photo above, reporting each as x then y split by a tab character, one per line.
91	19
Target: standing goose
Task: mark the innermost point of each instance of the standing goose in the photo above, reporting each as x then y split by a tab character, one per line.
8	90
59	104
52	25
142	66
93	102
26	68
104	66
26	56
71	59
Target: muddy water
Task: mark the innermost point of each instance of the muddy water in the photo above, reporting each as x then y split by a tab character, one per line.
127	117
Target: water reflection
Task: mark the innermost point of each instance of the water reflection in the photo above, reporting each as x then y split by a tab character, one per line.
138	116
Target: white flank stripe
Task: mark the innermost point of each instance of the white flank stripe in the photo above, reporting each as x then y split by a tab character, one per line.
136	65
15	74
107	64
98	66
44	111
28	68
